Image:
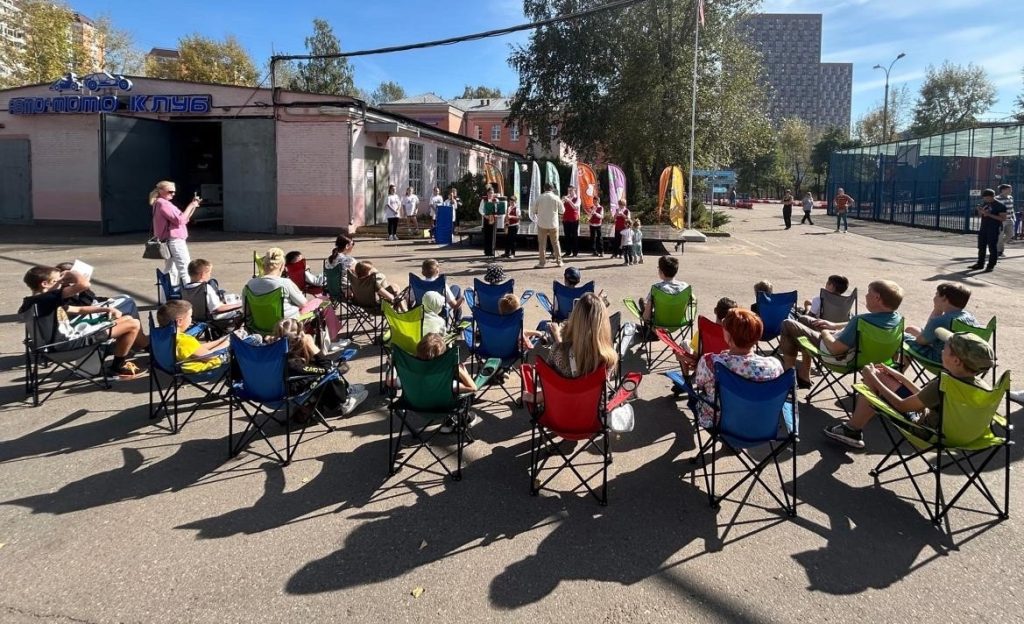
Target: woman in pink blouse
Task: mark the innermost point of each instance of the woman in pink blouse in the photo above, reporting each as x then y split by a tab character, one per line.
171	225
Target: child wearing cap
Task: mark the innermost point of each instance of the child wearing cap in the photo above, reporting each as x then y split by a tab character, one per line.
965	356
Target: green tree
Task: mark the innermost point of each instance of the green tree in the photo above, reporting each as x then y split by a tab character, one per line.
207	60
49	49
794	150
831	141
329	76
120	54
1018	112
951	98
617	85
385	92
868	127
480	92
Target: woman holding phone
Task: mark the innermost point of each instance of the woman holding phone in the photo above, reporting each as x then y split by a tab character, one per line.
170	225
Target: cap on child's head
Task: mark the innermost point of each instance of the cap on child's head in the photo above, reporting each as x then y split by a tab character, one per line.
494	274
973	351
572	276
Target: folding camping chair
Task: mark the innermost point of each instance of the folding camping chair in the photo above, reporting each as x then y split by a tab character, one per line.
201	314
363	307
773	309
167	377
574	410
261	313
710	339
259	389
484	296
673	313
874	345
498	337
165	290
296	272
81	359
404	332
428	390
969	434
751	414
837	308
564	297
419	287
257	265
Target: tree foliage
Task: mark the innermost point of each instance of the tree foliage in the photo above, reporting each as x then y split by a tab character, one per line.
385	92
1018	111
332	76
49	48
618	85
794	149
120	53
480	92
203	59
832	140
951	98
868	127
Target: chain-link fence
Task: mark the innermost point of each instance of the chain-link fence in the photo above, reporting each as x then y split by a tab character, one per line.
932	182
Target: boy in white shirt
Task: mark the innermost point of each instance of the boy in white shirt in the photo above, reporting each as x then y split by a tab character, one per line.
410	204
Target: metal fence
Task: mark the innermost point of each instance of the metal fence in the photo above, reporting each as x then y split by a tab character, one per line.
931	182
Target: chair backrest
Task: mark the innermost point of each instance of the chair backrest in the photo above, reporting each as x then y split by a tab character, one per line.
428	385
499	333
710	336
296	272
196	295
41	330
876	345
262	369
773	309
419	286
967	410
488	295
163	282
566	296
571	406
837	308
262	312
257	265
406	327
986	333
364	290
752	413
162	343
671	311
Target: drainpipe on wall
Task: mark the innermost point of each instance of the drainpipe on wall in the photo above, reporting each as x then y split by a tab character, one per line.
351	180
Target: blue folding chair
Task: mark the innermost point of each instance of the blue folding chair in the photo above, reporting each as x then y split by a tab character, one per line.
564	298
773	309
750	414
167	377
260	391
419	287
497	336
484	296
165	290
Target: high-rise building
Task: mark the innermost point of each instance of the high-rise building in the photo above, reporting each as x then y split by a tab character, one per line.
9	35
85	39
796	83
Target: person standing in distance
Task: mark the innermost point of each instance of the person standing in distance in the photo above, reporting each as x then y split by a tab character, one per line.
808	206
489	221
843	203
787	208
992	213
410	205
545	211
1010	225
171	226
435	201
392	209
571	222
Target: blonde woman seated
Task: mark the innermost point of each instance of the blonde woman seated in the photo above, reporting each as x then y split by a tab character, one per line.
295	302
742	332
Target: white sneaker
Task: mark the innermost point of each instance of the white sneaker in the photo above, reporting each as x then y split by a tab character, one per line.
337	345
1017	396
355	397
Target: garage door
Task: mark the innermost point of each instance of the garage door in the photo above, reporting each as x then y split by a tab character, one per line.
137	154
15	181
250	175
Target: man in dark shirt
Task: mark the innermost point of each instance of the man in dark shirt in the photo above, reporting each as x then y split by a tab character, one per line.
993	213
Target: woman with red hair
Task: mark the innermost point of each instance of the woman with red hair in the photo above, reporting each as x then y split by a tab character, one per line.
742	332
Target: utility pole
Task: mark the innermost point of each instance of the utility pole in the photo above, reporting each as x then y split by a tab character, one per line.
885	105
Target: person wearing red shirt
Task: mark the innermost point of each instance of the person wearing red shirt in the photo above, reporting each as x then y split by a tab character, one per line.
571	222
511	227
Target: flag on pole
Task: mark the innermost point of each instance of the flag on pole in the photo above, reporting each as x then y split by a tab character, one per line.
616	185
700	12
574	179
586	183
534	189
516	187
552	177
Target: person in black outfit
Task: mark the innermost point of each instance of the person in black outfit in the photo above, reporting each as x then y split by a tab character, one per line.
489	231
511	227
787	208
993	213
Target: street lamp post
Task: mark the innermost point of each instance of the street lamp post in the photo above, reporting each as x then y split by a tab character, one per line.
885	105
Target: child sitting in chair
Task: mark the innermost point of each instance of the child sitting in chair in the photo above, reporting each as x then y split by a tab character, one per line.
432	346
668	267
192	355
508	304
384	290
453	298
764	287
200	274
836	284
125	303
308	363
309	278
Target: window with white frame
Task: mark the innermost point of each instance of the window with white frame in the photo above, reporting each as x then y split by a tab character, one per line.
513	134
495	133
463	166
441	175
416	167
480	165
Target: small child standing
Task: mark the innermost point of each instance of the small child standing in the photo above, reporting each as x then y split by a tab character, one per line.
638	243
626	245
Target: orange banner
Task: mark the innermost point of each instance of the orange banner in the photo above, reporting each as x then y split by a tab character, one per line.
586	182
493	177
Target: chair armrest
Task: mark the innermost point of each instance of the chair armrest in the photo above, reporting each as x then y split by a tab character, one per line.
625	391
470	296
544	302
884	408
806	344
491	366
99	329
633	308
525	296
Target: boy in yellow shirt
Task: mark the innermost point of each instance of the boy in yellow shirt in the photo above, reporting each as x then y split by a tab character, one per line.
194	356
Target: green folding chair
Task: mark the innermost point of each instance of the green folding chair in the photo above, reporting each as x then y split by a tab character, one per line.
970	433
427	400
403	331
261	313
257	265
924	367
986	333
675	314
874	345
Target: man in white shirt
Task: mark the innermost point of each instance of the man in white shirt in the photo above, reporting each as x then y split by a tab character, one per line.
1010	224
545	212
410	204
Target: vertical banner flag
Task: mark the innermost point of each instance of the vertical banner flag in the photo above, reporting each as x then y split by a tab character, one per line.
517	190
574	179
616	185
672	186
552	177
586	182
534	188
493	177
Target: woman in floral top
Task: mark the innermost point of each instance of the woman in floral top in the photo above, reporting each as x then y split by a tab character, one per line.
742	332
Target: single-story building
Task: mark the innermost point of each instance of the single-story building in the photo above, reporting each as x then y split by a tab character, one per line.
263	163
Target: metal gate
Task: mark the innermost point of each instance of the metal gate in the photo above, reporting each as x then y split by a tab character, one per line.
250	175
377	162
137	153
15	181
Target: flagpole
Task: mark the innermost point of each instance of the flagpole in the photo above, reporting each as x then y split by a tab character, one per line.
693	113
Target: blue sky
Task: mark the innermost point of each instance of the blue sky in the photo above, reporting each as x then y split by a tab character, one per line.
864	32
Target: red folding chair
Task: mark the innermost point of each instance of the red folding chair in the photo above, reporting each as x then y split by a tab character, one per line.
297	274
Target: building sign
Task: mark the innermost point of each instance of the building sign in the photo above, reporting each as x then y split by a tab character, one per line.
90	104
